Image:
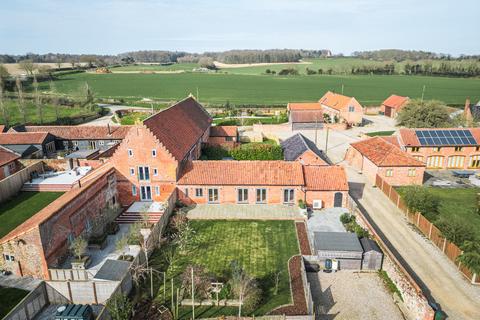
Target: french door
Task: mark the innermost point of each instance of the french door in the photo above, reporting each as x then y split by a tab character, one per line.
146	193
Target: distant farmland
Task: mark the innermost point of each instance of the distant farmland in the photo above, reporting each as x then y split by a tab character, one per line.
217	88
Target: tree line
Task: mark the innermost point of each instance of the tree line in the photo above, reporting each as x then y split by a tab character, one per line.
403	55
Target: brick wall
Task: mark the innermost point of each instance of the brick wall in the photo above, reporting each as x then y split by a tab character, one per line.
45	244
327	198
445	152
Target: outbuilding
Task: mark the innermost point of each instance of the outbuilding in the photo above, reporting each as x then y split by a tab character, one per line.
342	246
372	255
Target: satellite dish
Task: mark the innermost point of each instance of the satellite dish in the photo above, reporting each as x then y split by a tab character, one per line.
61	308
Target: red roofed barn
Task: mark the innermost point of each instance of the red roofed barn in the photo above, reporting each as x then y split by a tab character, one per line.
392	105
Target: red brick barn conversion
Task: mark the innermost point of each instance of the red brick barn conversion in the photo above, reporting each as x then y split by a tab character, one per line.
156	163
392	105
383	156
453	148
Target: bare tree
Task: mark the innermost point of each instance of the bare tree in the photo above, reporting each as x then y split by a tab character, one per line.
73	63
27	65
59	63
38	103
122	245
3	106
242	284
21	101
79	247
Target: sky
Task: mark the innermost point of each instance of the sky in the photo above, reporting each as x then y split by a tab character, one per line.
343	26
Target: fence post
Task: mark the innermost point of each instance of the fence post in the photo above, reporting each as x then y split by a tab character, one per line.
474	278
430	231
418	219
444	244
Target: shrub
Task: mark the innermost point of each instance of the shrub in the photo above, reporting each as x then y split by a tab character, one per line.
389	283
301	204
420	199
253	300
288	71
257	151
310	71
215	152
346	218
456	230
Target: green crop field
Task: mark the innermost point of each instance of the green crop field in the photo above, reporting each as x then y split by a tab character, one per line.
266	89
49	115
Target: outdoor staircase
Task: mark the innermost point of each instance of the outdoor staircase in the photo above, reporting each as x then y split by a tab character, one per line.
132	217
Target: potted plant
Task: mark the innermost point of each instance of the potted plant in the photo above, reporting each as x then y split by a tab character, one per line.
302	207
124	248
79	248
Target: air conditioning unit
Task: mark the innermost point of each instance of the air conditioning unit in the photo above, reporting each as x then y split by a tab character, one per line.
317	204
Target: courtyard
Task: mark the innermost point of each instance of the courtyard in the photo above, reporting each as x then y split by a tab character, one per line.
21	207
261	248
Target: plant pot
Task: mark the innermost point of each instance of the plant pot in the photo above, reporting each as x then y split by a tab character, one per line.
81	264
303	211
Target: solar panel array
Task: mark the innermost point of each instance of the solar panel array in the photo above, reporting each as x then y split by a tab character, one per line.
445	138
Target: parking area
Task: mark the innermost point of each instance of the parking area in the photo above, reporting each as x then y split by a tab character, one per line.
352	295
447	179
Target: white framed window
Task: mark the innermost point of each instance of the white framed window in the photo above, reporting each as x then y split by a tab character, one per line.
130	152
143	173
389	173
134	190
154	153
419	158
242	195
8	257
213	195
351	109
456	161
435	162
475	161
101	142
132	171
155	171
412	172
157	190
261	195
198	192
288	195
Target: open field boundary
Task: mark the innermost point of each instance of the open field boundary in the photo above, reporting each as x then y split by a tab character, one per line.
428	230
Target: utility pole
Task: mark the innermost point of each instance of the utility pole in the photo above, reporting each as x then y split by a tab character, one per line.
193	298
164	287
173	305
198	97
326	141
151	282
423	92
316	128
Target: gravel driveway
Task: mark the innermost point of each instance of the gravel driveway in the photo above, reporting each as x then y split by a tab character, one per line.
352	295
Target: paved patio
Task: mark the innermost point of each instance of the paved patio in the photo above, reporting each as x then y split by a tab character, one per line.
244	211
326	220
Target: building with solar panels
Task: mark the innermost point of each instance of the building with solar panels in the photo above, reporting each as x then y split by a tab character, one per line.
454	148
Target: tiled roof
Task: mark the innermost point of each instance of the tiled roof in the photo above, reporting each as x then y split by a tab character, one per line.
409	138
297	144
325	178
335	101
80	132
231	172
180	126
304	106
62	201
385	154
391	139
7	156
395	101
306	116
22	138
223	131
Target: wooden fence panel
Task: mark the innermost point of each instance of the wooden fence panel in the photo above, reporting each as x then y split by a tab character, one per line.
452	251
466	272
423	225
436	237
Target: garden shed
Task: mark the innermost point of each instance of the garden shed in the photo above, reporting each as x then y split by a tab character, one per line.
372	255
342	246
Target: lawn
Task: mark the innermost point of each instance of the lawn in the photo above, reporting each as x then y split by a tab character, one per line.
9	298
21	207
133	118
261	247
218	88
49	115
380	133
459	202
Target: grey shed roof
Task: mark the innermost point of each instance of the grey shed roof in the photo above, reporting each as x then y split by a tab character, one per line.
82	154
113	270
369	245
297	144
337	241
